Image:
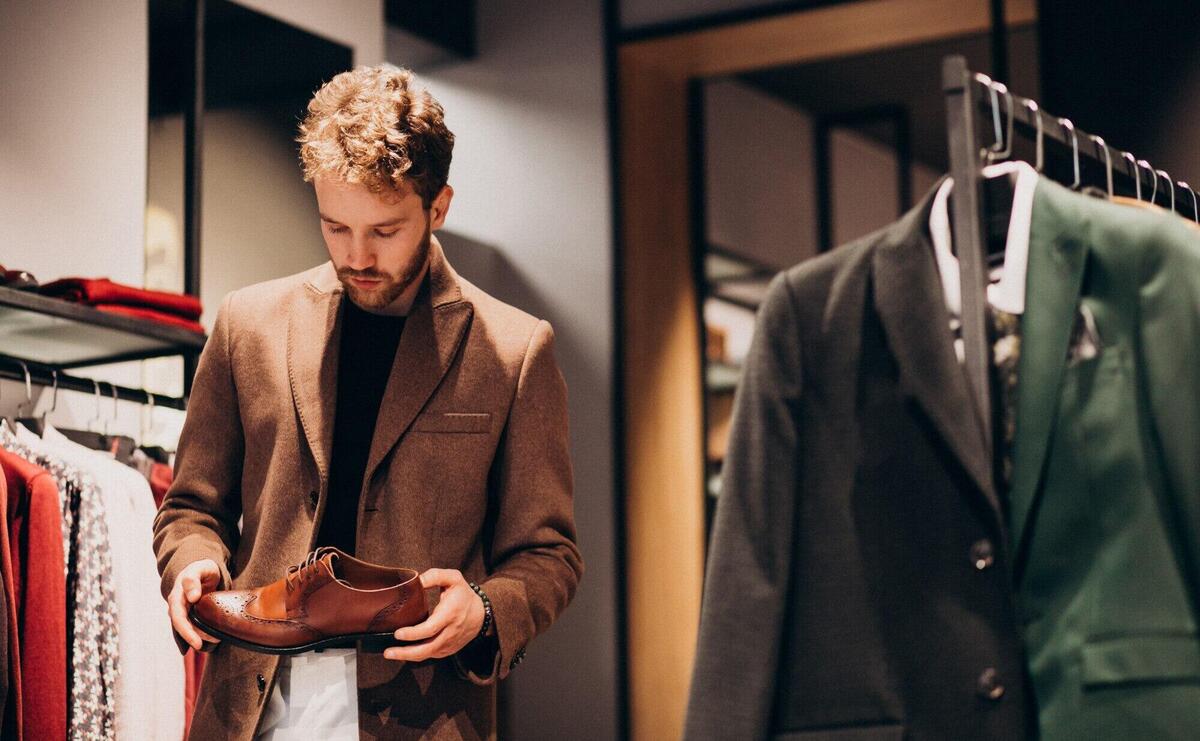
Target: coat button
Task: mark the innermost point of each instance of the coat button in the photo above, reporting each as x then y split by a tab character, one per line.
989	686
313	497
262	683
982	554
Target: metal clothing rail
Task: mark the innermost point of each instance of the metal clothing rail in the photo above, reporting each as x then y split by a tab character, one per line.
15	369
981	118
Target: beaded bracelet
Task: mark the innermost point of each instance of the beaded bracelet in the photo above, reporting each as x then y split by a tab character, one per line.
487	610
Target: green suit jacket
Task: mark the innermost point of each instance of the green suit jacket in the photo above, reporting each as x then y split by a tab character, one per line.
1105	495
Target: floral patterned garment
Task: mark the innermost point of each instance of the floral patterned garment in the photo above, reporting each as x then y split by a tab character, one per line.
1006	354
91	604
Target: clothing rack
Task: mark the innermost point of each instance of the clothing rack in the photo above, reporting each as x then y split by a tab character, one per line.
39	374
981	117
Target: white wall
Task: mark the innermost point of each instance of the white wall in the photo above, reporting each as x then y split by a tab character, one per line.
73	156
531	223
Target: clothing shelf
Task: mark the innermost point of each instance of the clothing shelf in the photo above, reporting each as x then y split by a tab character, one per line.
64	334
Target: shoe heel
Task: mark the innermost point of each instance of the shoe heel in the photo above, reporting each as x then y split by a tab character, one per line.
377	643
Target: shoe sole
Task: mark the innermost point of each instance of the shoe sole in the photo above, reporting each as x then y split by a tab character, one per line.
372	642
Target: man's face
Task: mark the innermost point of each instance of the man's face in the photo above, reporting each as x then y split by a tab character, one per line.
379	243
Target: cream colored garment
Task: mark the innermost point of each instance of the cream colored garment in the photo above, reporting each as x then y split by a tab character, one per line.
315	696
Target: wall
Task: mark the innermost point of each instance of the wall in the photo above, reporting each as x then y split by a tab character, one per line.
260	217
531	222
73	156
760	182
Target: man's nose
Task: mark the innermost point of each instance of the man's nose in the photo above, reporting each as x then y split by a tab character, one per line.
361	256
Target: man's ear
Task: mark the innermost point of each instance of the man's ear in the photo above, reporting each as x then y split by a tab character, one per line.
440	207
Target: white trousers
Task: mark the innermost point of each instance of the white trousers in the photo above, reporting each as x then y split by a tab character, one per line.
315	696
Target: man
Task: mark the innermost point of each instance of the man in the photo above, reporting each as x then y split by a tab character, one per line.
381	404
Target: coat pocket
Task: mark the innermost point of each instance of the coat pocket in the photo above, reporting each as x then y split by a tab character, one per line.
882	732
1147	658
451	422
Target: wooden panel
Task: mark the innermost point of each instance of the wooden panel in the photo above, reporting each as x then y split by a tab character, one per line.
663	399
662	372
836	31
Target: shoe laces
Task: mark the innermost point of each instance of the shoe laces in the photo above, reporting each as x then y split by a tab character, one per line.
302	572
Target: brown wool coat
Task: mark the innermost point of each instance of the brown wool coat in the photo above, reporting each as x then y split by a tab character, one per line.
469	469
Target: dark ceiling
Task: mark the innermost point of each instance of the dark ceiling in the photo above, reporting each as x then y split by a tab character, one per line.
909	77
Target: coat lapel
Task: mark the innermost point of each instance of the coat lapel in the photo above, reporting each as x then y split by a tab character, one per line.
312	341
432	334
1054	281
909	300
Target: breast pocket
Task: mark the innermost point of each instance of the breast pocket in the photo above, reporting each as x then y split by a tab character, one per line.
463	423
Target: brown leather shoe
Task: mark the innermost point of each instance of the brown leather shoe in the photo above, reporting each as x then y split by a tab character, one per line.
330	599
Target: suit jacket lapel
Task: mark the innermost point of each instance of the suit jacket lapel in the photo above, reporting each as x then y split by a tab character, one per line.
432	334
909	300
1053	283
312	342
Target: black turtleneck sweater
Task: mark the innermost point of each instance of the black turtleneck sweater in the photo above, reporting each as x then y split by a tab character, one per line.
365	357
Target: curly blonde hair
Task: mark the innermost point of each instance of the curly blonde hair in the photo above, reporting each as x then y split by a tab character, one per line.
375	126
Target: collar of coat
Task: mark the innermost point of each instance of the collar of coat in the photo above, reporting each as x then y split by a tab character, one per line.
908	297
433	332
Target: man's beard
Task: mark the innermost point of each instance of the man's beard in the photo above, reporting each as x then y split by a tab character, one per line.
389	288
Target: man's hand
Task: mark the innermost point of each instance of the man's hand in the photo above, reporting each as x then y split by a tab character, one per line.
196	579
453	623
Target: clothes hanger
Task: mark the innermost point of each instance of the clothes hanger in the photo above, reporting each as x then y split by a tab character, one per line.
1011	183
1108	168
155	452
13	420
1066	124
1039	160
89	438
1170	182
1195	206
1153	175
1137	175
998	183
37	425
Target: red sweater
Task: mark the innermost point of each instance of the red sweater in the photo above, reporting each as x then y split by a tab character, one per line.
40	591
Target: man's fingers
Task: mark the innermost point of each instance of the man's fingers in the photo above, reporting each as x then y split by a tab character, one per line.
414	652
440	578
191	587
180	622
432	625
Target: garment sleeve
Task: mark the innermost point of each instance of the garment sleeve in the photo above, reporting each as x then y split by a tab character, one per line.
749	559
534	562
199	516
1169	343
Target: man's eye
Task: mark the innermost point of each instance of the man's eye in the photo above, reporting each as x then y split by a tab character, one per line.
335	229
386	235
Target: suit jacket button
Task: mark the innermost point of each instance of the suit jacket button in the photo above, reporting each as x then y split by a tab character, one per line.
262	683
989	686
313	497
982	554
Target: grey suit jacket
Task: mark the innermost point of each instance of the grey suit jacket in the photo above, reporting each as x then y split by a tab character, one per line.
845	597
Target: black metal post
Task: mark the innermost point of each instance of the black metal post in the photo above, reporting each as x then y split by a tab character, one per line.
193	142
824	178
999	42
968	231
